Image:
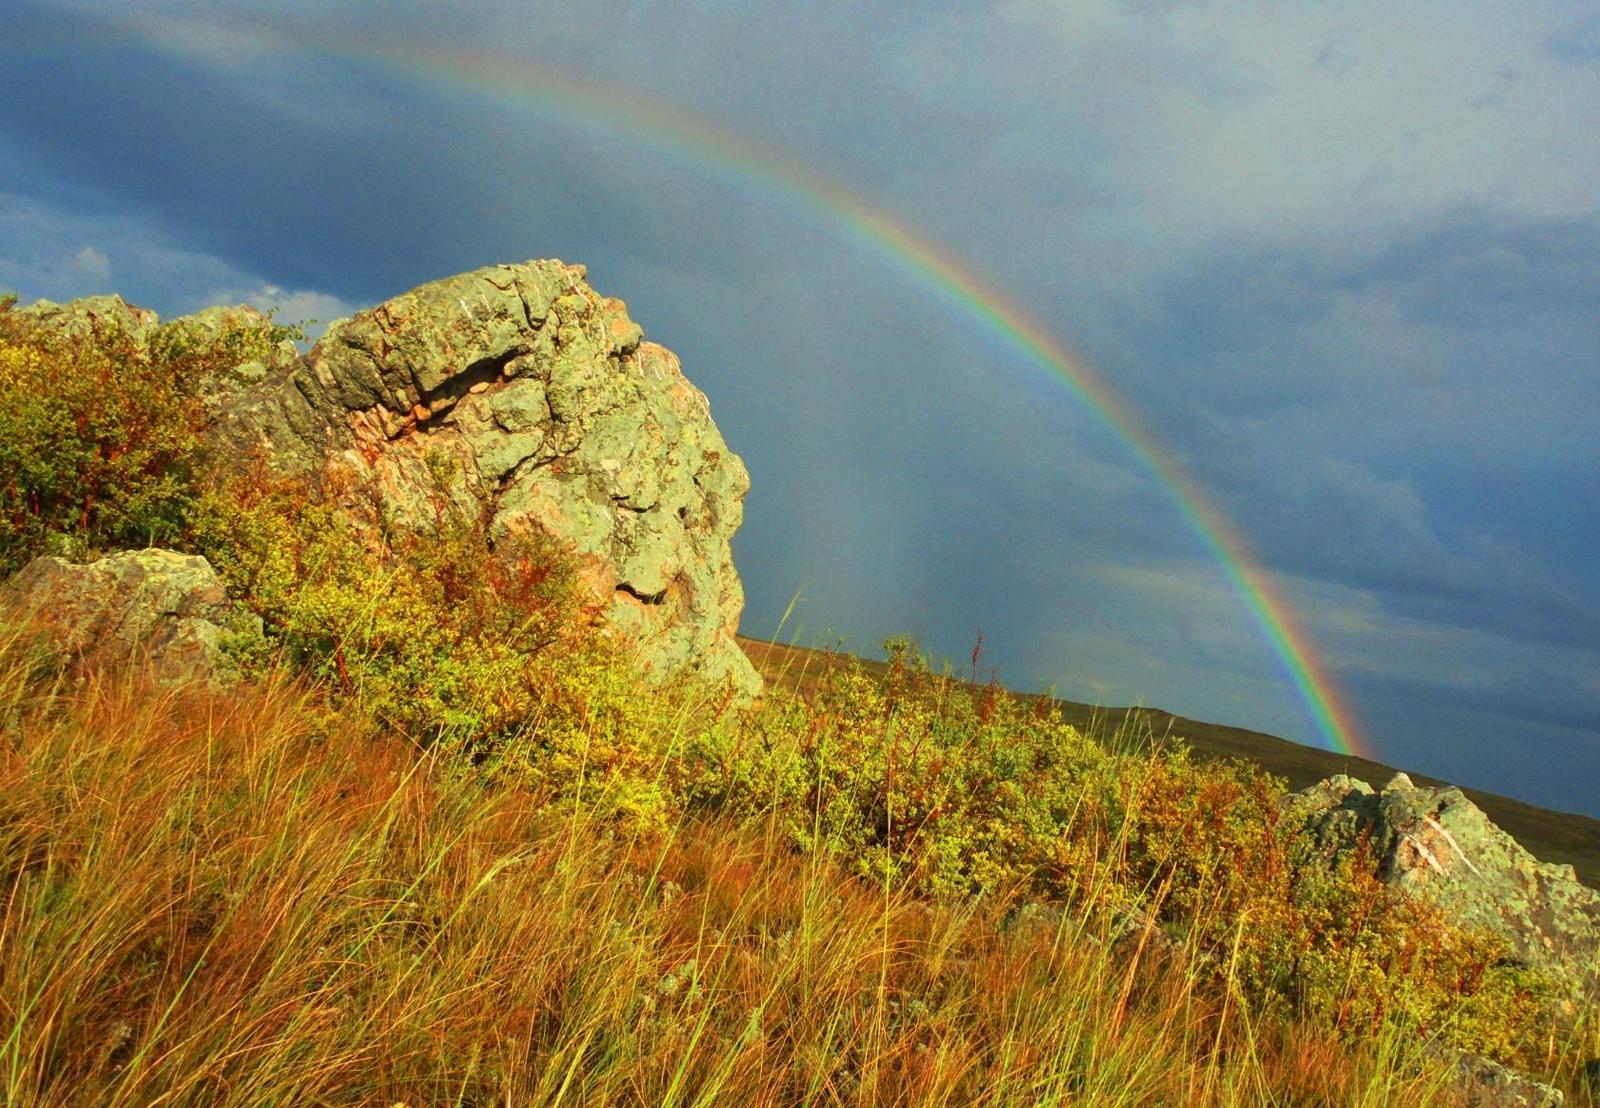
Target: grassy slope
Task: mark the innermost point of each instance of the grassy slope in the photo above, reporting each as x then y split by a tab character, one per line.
1550	836
267	896
247	900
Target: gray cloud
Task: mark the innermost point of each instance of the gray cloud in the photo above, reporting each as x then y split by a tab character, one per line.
40	256
1488	270
1359	403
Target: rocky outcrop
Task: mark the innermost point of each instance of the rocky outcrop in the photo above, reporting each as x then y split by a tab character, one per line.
1437	843
520	391
542	404
94	315
139	605
208	324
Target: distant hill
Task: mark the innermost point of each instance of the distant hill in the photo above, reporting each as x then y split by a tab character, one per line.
1550	836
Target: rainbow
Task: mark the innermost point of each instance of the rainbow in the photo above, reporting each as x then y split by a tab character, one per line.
566	98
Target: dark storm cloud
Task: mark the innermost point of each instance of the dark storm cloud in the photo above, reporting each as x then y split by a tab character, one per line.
349	198
1487	270
1491	291
1483	274
1476	739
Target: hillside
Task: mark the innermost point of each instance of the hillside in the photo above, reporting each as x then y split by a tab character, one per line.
373	730
1564	837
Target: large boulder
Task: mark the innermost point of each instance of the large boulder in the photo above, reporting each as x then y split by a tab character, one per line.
155	606
1437	843
539	400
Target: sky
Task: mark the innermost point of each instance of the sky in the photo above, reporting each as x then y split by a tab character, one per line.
1341	258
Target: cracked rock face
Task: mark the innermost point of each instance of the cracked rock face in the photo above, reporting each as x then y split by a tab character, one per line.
547	406
1437	843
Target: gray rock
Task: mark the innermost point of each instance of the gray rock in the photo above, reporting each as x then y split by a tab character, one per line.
541	399
1482	1083
1437	843
1130	937
154	605
93	315
1034	920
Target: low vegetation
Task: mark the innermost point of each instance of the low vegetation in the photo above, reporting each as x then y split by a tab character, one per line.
444	846
100	443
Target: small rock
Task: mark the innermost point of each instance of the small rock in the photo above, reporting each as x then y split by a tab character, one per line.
1481	1083
1034	920
155	605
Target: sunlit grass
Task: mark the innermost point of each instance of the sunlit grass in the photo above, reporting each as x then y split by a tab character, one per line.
243	898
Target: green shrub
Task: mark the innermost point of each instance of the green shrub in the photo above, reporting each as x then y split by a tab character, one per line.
922	782
435	636
100	443
487	648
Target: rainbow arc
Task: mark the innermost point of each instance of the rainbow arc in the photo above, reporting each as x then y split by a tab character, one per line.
568	99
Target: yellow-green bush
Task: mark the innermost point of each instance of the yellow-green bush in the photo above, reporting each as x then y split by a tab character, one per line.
488	650
920	781
100	443
914	780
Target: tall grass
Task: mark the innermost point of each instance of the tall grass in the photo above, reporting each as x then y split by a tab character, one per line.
245	899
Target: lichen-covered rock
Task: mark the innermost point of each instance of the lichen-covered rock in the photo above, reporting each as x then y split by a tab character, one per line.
1437	843
94	315
540	402
138	605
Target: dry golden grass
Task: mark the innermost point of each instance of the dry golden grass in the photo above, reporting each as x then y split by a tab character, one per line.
240	899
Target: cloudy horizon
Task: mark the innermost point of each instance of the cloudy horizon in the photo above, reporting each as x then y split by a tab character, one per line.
1344	261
